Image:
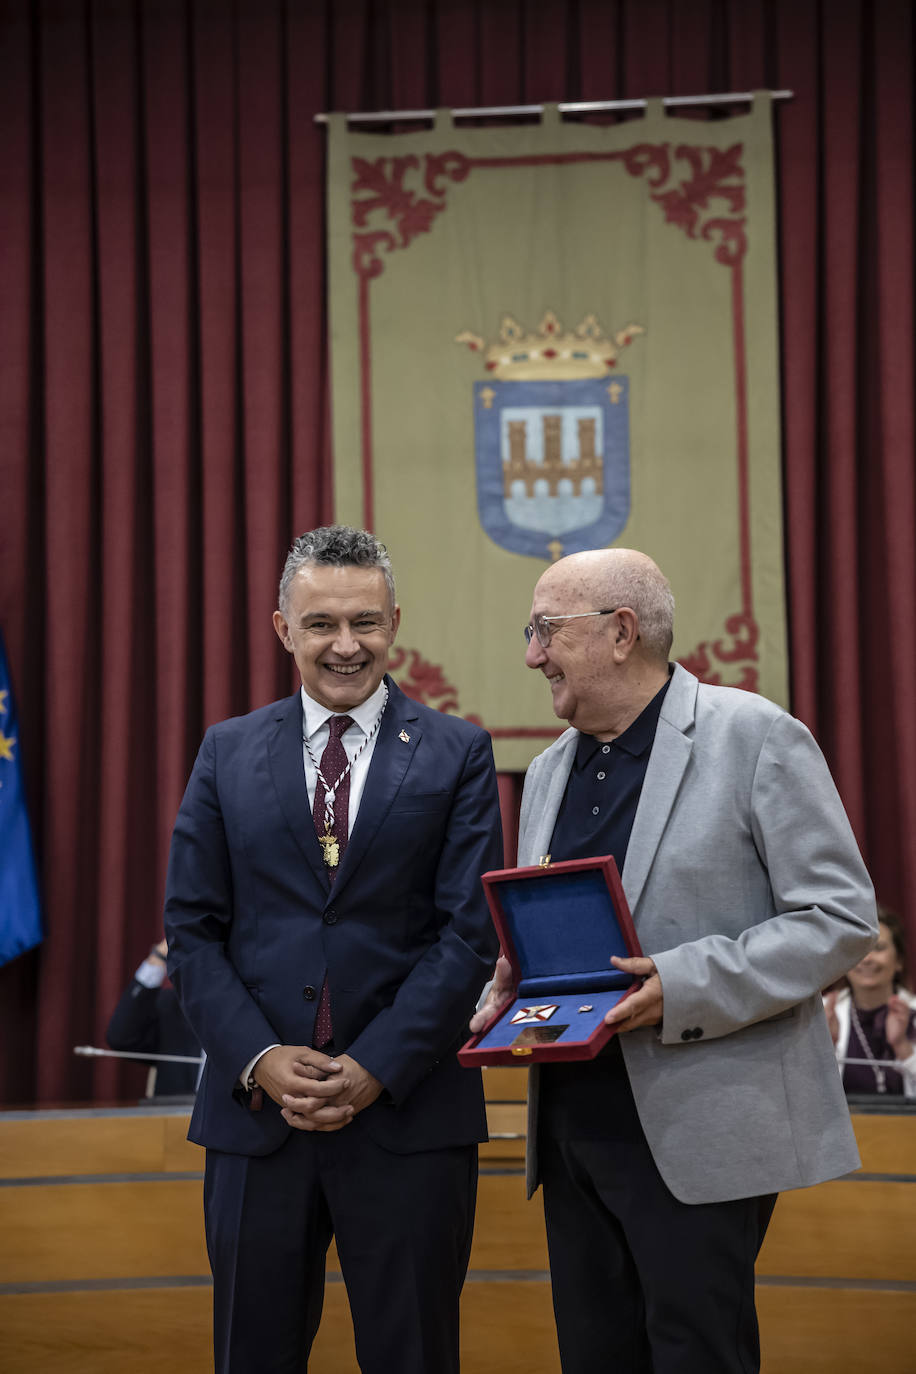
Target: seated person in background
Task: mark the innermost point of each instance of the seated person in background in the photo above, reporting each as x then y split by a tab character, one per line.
149	1020
873	1016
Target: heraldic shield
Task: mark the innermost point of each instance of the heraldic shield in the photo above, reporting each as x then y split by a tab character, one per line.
553	463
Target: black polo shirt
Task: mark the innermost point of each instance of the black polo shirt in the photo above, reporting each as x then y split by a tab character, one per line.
602	794
596	817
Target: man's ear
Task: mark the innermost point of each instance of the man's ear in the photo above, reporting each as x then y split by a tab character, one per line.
627	633
282	629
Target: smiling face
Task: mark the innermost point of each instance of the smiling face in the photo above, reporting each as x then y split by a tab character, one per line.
580	662
338	624
602	669
873	977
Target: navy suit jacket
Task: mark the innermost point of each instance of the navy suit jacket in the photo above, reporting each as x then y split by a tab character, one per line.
404	936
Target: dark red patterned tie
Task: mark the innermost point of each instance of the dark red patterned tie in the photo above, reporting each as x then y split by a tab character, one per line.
333	763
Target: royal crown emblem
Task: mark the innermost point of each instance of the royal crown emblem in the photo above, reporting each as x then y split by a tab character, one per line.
551	354
551	425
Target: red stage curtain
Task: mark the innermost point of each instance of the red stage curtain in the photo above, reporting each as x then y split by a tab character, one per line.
163	385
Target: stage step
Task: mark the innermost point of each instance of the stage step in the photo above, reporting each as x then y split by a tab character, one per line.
103	1266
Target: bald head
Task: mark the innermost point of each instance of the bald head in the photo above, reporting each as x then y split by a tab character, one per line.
618	577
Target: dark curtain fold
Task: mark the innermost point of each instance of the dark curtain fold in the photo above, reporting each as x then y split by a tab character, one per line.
163	394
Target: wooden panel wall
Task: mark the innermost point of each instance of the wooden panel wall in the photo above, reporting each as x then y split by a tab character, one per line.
103	1265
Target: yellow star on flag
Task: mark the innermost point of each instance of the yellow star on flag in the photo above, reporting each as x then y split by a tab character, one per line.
6	746
3	706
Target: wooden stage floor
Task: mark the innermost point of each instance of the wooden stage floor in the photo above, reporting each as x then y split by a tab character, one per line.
103	1268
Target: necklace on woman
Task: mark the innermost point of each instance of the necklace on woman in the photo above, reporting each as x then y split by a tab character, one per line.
880	1075
330	843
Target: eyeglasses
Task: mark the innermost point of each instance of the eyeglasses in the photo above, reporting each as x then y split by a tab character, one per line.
541	629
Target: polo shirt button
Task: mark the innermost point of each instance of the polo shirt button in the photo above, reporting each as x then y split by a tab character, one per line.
309	993
601	777
330	916
605	749
595	810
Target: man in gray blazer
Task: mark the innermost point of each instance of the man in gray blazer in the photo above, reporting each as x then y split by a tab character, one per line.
661	1158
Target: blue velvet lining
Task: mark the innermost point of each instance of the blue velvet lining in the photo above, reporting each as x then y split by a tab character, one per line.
574	982
564	929
578	1025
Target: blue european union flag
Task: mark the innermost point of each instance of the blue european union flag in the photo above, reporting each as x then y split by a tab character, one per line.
20	909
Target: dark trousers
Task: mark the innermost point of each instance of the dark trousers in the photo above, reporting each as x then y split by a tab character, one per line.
642	1283
403	1225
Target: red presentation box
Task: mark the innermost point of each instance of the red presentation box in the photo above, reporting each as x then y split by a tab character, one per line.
558	925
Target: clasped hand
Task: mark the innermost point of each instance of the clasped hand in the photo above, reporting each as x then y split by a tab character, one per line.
314	1091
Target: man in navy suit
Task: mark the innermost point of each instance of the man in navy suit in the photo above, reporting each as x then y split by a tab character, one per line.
328	938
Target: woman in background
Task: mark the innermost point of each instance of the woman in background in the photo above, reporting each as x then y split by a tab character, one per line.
873	1017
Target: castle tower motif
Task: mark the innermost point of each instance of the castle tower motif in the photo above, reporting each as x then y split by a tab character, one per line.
516	468
553	452
519	467
589	464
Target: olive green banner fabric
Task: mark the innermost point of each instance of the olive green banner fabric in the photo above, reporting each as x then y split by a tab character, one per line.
551	338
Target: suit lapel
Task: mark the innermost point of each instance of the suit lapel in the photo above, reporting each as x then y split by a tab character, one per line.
668	761
398	737
546	802
284	748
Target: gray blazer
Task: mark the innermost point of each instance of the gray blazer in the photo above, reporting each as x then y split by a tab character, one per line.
749	892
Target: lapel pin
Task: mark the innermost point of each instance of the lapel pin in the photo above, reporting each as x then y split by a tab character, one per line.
404	736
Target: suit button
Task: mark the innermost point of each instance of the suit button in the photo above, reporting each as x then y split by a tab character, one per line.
686	1035
309	993
698	1032
330	916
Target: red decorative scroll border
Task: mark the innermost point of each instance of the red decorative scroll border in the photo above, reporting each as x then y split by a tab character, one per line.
424	682
713	175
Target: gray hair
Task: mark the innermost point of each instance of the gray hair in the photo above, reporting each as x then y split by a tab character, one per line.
644	587
338	546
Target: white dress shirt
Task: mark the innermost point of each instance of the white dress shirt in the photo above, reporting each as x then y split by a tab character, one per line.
316	731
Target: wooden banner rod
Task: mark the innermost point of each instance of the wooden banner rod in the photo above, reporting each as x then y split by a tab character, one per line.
568	107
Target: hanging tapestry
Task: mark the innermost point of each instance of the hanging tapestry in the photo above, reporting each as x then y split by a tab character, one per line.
549	338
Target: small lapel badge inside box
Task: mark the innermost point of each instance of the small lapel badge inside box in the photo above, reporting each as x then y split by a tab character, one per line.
558	925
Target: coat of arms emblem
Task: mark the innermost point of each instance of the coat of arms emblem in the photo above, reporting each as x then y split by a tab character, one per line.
552	436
